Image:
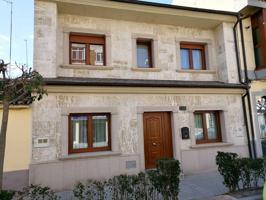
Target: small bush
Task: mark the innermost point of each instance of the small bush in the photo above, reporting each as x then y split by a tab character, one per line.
240	173
245	172
6	195
36	192
165	178
228	166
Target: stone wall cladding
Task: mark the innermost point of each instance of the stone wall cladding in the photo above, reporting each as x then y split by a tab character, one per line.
50	48
47	117
121	48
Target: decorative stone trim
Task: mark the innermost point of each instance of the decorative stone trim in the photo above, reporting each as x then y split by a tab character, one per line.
142	109
211	145
137	69
196	71
89	155
87	67
17	107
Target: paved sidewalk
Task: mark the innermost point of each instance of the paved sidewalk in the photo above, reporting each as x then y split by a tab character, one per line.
202	186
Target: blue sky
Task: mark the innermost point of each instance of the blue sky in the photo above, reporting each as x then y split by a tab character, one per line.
22	29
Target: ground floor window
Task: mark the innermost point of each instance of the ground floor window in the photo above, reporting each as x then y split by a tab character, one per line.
261	114
207	127
89	132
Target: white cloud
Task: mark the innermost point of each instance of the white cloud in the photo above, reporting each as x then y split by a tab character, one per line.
4	46
4	39
31	36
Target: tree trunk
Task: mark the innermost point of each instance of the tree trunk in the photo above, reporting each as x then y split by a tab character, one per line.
3	138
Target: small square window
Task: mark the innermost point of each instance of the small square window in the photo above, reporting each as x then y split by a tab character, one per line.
207	127
87	49
144	53
192	56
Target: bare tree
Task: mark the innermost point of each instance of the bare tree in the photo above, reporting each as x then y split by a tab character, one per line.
20	90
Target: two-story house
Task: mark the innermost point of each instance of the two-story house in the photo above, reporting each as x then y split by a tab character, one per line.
130	82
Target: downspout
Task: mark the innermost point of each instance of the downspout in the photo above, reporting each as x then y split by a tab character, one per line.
248	89
240	81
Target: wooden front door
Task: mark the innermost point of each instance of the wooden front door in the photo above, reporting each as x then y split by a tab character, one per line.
157	137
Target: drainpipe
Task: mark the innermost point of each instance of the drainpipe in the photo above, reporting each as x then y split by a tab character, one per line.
240	81
247	82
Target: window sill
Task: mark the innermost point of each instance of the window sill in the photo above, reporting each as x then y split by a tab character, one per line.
88	67
90	155
196	71
137	69
16	107
211	145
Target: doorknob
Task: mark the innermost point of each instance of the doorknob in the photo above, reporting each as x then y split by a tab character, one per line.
154	144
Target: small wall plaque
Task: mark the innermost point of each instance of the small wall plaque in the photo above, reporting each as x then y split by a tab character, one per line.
182	108
131	164
41	142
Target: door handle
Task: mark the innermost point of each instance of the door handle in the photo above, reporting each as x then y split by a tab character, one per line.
154	144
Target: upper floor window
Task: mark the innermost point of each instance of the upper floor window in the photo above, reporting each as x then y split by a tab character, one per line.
87	49
259	39
144	53
192	56
89	132
207	127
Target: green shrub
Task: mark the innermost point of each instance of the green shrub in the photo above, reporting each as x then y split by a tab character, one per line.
228	166
36	192
6	195
244	172
165	178
91	190
257	169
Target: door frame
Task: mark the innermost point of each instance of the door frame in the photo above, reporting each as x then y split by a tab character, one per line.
176	138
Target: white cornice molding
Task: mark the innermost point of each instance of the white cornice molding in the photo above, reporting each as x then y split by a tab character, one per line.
140	90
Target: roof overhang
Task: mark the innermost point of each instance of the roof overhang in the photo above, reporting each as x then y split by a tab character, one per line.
70	81
252	7
140	11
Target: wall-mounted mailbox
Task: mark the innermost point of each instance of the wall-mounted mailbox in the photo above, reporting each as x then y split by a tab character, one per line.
185	133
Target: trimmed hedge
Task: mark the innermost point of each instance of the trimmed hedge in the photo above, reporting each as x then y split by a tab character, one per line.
32	192
240	173
162	183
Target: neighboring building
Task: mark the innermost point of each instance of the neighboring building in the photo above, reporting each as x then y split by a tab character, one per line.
130	82
18	142
255	28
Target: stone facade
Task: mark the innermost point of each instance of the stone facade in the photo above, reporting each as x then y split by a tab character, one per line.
50	165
